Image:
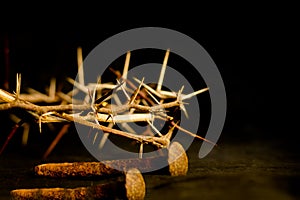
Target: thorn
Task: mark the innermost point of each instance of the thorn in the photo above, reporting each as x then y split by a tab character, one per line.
116	72
94	94
162	72
95	137
153	97
107	94
123	89
192	134
52	88
80	66
149	88
40	124
18	86
136	92
179	95
126	66
170	132
141	151
26	127
77	85
40	119
104	137
182	107
103	140
188	96
154	128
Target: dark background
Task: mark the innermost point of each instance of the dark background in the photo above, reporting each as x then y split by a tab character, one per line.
254	58
255	53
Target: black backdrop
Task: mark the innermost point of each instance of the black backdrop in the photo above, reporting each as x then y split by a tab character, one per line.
254	57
